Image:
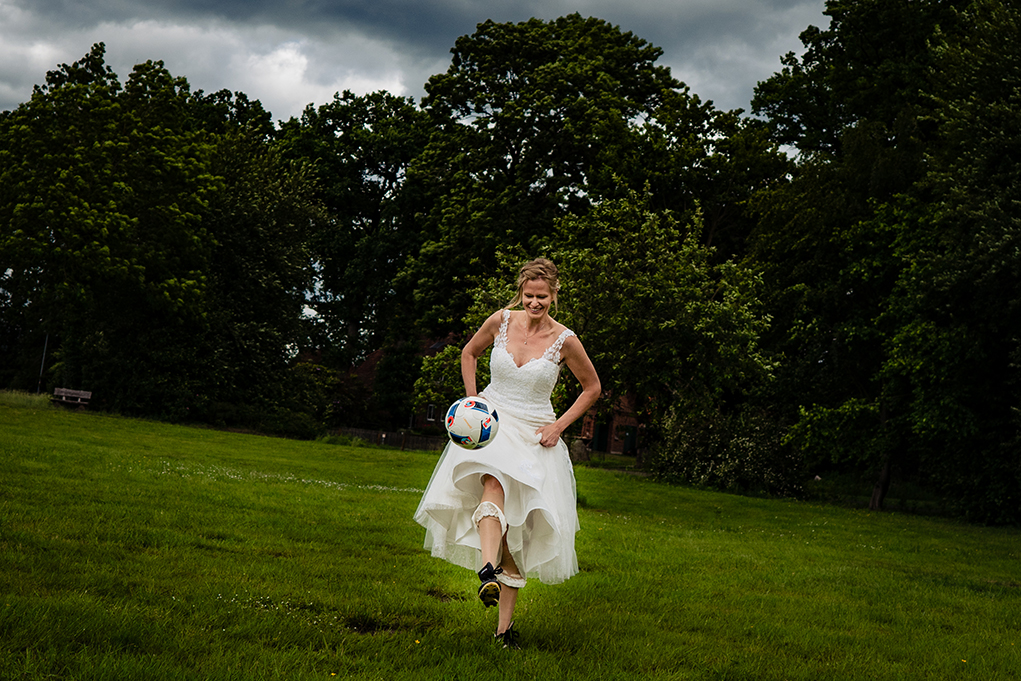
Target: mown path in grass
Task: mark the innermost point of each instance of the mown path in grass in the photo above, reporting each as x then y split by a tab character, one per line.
131	549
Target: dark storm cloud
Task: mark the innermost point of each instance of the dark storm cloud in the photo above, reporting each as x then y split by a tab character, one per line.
289	53
418	23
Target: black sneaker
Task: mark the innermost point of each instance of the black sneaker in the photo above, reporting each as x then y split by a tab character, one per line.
509	639
489	591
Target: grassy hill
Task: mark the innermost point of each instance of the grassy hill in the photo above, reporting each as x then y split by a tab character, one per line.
131	549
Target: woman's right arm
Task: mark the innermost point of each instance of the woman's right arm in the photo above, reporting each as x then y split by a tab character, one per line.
474	348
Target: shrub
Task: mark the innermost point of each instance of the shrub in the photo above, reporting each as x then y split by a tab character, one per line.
738	451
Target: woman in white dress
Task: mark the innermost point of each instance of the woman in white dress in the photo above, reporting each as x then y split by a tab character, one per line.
510	509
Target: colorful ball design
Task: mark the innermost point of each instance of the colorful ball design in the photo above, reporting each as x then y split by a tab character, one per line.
472	422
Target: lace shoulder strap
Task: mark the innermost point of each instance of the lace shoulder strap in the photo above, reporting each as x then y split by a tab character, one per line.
553	352
501	337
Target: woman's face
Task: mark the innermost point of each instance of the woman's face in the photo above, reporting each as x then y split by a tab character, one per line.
536	296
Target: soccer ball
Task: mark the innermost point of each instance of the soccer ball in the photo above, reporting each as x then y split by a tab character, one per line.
472	422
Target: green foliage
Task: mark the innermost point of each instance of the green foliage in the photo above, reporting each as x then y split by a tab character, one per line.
497	290
168	264
342	440
827	269
263	419
952	354
869	65
890	256
360	148
673	331
692	155
659	319
312	398
393	391
533	121
260	270
324	394
844	436
102	195
225	111
733	450
440	382
828	265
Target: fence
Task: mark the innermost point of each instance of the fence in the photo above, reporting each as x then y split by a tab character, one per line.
397	439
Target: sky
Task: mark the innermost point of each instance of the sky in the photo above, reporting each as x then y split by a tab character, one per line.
292	53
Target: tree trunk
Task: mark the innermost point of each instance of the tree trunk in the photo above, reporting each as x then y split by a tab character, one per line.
881	487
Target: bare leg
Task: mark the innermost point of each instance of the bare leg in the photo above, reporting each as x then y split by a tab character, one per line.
490	531
508	598
508	594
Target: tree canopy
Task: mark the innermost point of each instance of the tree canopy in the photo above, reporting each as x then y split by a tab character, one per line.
165	261
888	256
540	120
849	309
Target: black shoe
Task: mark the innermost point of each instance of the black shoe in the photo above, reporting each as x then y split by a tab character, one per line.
489	591
509	639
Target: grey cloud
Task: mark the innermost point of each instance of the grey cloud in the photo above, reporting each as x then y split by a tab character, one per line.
720	48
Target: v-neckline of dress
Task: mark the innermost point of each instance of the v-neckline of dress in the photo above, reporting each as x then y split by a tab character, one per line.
530	360
506	328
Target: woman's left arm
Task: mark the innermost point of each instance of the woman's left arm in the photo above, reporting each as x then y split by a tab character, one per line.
577	360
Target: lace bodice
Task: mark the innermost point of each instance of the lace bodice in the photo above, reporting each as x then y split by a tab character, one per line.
525	390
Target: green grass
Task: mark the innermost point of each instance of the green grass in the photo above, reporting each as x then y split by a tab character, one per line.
16	398
131	549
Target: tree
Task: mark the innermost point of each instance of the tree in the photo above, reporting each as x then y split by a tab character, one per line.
360	148
259	272
952	354
663	323
828	267
159	242
691	154
883	250
224	111
532	122
867	66
102	195
853	106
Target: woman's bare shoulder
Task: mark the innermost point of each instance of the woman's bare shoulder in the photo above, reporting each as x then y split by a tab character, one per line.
491	326
559	328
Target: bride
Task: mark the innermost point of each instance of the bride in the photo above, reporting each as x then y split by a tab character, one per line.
510	510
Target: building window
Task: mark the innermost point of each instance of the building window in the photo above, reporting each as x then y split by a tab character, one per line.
430	413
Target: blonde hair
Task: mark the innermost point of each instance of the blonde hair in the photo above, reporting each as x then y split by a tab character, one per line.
538	269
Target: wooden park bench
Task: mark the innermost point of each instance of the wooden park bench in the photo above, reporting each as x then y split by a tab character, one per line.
71	398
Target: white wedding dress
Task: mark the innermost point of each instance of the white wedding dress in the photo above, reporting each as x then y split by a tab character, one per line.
539	487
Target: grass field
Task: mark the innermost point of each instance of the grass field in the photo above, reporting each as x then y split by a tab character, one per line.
138	550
